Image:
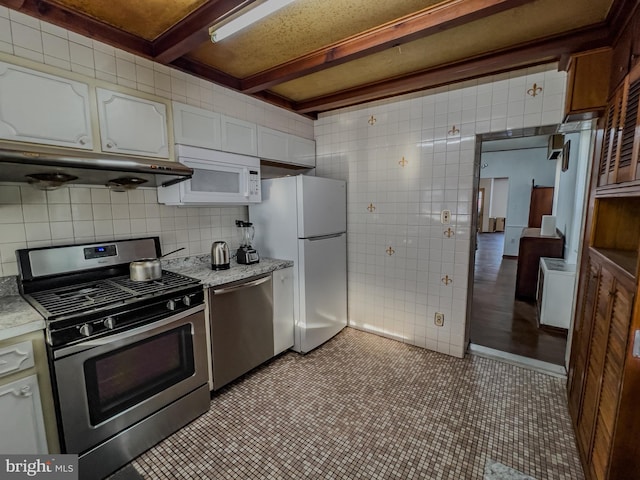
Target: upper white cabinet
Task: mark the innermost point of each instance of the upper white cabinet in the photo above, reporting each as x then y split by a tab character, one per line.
302	151
286	148
272	144
196	127
239	136
40	108
132	125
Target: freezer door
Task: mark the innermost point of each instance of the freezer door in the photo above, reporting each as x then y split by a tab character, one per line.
323	290
322	206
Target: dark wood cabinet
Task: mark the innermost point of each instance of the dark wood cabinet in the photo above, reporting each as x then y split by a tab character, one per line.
532	247
541	204
587	88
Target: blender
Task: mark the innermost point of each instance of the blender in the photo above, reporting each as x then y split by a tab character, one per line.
246	254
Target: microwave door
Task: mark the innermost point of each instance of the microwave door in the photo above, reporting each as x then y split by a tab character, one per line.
215	183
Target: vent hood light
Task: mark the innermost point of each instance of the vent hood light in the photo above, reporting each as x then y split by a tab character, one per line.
125	183
246	19
49	181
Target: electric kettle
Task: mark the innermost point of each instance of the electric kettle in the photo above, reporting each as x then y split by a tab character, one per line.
220	256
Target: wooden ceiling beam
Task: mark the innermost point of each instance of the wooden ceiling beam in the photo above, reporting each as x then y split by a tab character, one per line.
206	72
82	24
533	53
411	27
193	30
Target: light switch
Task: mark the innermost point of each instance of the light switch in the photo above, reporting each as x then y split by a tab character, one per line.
445	217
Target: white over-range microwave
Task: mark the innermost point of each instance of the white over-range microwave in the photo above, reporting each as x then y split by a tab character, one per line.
218	178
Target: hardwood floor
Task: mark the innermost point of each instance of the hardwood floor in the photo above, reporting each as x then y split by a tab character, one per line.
500	321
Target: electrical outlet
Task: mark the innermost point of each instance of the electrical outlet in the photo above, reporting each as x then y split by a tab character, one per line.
439	319
445	217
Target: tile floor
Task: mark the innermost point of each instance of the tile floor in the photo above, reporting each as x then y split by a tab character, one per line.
363	406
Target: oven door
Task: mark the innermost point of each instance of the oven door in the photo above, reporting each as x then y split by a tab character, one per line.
108	384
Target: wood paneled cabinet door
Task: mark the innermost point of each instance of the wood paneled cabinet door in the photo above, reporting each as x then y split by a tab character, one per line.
596	373
621	145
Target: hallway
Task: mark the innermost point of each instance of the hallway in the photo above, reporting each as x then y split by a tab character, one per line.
498	320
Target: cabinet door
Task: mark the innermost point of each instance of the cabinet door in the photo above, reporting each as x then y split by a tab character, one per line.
196	126
581	338
302	151
132	125
239	136
612	136
282	310
22	427
272	144
40	108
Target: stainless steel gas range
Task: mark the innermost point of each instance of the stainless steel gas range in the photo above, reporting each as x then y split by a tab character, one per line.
128	359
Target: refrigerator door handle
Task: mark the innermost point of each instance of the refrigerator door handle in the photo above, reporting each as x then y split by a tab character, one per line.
322	237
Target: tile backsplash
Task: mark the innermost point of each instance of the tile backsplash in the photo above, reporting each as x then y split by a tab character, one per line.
76	214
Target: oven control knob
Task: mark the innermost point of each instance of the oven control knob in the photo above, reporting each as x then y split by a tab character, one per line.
186	300
110	323
171	305
86	330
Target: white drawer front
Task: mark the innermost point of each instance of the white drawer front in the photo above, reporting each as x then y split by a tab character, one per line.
15	358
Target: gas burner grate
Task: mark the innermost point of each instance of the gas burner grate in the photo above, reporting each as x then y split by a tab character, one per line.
76	299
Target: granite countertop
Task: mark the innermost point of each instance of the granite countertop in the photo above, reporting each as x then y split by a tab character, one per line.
17	317
200	267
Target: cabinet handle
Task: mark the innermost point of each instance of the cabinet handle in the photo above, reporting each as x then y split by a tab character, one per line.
82	141
25	391
109	145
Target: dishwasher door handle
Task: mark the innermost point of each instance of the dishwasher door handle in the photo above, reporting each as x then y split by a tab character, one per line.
242	286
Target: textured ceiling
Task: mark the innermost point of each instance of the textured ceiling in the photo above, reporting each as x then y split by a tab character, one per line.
317	55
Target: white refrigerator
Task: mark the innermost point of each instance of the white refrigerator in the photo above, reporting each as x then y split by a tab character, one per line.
303	218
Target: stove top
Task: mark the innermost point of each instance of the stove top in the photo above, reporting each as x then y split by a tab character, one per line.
89	297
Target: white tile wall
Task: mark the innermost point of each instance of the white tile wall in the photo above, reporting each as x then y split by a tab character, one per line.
397	295
79	214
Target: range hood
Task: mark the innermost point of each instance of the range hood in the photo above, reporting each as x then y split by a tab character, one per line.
50	167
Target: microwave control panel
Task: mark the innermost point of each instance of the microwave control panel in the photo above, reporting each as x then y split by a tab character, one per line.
254	186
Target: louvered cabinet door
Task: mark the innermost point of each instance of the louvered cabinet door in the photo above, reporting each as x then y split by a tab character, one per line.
595	364
626	167
607	413
581	339
612	136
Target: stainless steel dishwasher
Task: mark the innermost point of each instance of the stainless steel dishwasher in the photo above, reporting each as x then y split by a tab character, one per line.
241	315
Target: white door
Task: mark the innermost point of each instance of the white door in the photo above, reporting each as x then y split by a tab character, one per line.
132	125
322	277
22	426
40	108
322	206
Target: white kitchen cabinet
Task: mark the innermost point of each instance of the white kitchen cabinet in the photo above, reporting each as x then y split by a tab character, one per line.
132	125
273	145
196	127
37	107
238	136
282	310
22	429
556	281
302	151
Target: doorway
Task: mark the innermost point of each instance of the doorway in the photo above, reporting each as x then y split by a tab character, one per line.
497	319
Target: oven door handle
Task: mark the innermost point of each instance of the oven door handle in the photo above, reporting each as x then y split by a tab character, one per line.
97	342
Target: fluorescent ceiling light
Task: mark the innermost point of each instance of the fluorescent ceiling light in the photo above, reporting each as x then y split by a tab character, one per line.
247	19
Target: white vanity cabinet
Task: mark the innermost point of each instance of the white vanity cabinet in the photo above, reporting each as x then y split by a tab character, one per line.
196	127
22	429
238	136
283	322
37	107
132	125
